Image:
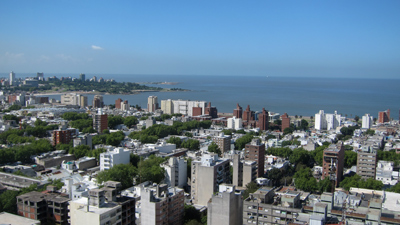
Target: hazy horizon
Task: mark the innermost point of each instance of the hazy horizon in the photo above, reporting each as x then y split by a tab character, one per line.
337	39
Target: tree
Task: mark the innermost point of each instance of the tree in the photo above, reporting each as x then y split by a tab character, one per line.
288	130
227	132
370	132
305	181
11	117
250	188
130	121
324	185
350	159
114	121
358	182
301	156
123	173
191	144
190	213
356	118
214	148
150	169
175	140
241	142
275	175
303	124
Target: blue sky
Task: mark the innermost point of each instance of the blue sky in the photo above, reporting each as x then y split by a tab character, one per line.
262	38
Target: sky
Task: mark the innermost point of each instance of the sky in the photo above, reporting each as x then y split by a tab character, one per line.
258	38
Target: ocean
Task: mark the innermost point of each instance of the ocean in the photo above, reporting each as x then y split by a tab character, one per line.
293	95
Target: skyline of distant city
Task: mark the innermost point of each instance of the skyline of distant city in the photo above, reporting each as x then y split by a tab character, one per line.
264	38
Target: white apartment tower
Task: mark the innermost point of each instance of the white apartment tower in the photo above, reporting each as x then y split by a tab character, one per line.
325	121
235	123
12	78
176	172
111	158
152	104
367	121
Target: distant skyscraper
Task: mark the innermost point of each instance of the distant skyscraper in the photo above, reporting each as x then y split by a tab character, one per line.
211	111
255	151
238	111
118	103
83	101
12	78
367	121
40	76
384	116
98	101
285	121
82	77
100	121
325	121
152	104
263	120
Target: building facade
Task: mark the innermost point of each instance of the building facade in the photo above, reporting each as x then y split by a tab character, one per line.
326	121
384	116
255	151
366	162
176	172
333	157
100	121
111	158
152	103
367	121
223	142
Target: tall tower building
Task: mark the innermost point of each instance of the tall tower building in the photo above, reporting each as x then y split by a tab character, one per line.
367	121
100	121
223	142
238	111
334	154
82	77
384	116
12	78
263	120
225	207
152	104
244	172
175	172
118	103
167	106
255	151
285	121
98	101
366	162
207	174
83	101
40	76
211	111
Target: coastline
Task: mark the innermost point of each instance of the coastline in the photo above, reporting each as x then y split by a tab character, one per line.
103	93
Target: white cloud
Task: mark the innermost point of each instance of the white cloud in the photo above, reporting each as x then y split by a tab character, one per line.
14	55
94	47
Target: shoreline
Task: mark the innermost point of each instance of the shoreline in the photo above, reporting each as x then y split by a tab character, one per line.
103	93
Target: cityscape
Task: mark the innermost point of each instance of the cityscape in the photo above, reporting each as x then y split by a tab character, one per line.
199	112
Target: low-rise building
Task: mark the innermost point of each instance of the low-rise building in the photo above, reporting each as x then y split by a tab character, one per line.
111	158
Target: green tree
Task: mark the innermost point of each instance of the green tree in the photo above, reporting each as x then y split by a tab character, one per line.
250	188
324	185
150	169
241	142
303	124
11	117
191	213
191	144
370	132
214	148
350	159
305	181
288	130
175	140
123	173
130	121
114	121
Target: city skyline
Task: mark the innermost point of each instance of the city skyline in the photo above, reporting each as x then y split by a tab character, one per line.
264	38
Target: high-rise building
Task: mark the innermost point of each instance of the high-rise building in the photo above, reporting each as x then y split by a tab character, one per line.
238	111
225	207
285	121
12	78
234	123
248	115
63	136
333	158
100	121
118	103
367	121
98	101
175	172
223	142
384	116
263	120
167	106
207	174
152	104
211	111
125	105
70	99
244	172
82	77
325	121
40	76
366	162
83	102
162	205
255	151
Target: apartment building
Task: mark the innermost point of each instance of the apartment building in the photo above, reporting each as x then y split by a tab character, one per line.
223	142
255	151
176	172
366	162
333	158
114	157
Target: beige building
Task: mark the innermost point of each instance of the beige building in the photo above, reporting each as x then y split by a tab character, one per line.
152	103
167	106
244	172
207	174
225	207
366	163
83	101
162	205
223	142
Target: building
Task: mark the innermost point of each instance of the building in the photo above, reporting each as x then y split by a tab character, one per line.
118	103
40	76
248	115
103	206
263	120
70	99
223	142
162	205
100	121
175	172
211	111
384	116
8	218
225	207
285	122
366	162
125	105
325	121
235	123
82	77
12	78
152	104
207	174
85	139
83	101
255	151
97	101
333	157
46	207
265	206
15	182
238	111
64	136
367	121
111	158
244	172
385	173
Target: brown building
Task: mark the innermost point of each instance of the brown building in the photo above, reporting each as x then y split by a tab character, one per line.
12	99
223	142
384	117
285	121
333	154
263	120
255	151
197	111
42	100
100	122
238	111
248	115
118	103
211	111
98	101
49	208
63	136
